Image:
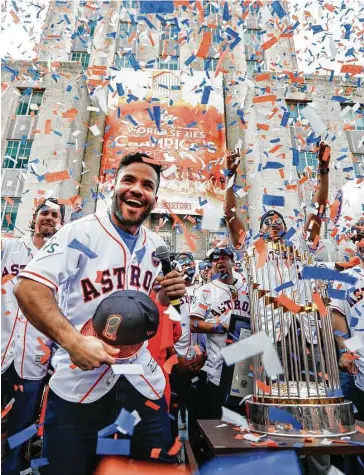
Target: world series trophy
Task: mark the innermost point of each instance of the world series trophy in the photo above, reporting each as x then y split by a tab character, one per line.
309	389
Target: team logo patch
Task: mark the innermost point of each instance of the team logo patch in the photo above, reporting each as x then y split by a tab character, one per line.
111	327
155	260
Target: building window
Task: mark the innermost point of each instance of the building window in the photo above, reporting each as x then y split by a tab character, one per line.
358	164
9	212
29	102
129	4
169	37
126	29
210	64
355	119
81	56
307	159
254	67
209	8
122	61
17	154
171	63
295	109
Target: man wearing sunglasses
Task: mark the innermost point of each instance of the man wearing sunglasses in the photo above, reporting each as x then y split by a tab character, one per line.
273	229
214	304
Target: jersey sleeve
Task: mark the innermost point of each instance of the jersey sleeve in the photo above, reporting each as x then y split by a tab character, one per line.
200	306
58	260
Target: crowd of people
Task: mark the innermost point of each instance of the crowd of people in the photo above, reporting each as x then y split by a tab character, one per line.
83	297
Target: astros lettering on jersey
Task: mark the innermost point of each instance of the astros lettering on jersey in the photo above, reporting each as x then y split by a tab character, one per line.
89	260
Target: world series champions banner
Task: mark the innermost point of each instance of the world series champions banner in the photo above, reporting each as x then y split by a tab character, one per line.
160	113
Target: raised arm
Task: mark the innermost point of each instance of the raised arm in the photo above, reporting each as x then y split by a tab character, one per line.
235	225
314	221
339	325
39	305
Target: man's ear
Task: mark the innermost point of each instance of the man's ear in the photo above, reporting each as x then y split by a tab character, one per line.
155	201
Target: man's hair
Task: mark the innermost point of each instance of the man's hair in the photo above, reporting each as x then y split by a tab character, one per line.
62	210
139	158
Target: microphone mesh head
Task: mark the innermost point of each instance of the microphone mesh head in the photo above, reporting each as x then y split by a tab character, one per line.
162	253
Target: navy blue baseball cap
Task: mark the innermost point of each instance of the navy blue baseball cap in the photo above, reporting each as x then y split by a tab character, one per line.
125	319
269	214
215	253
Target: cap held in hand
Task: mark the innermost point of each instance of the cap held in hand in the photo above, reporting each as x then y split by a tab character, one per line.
124	320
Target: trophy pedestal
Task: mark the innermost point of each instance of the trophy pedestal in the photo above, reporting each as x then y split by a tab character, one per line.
327	419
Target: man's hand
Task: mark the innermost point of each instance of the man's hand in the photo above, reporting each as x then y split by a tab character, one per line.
347	363
197	362
324	155
232	161
88	352
173	285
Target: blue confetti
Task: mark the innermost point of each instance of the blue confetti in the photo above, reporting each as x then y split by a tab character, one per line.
278	9
286	285
75	244
273	166
164	6
319	273
157	116
273	200
225	13
281	415
353	322
120	89
41	462
336	294
206	94
133	62
22	436
113	446
125	421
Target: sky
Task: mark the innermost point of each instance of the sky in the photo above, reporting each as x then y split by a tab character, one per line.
339	40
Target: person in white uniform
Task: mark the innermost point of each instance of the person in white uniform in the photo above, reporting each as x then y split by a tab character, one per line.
25	350
91	258
213	306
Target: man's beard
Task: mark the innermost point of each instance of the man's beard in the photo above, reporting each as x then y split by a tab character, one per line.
46	232
116	211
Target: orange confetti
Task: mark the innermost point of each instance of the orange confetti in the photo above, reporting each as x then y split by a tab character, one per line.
6	278
46	349
288	303
262	126
262	77
261	248
48	127
265	98
70	114
175	447
268	44
152	405
205	45
353	69
57	176
154	454
263	387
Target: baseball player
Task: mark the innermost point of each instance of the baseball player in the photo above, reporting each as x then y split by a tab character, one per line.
210	314
91	258
190	349
273	229
25	350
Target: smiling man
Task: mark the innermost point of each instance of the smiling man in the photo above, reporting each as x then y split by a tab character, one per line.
214	304
91	259
24	361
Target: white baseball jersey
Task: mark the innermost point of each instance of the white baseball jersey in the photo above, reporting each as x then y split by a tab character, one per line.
353	309
21	341
274	273
185	345
16	254
214	303
90	260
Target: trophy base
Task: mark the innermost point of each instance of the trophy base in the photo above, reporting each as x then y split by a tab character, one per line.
321	420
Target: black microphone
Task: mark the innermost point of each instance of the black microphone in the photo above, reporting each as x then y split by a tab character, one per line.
163	254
